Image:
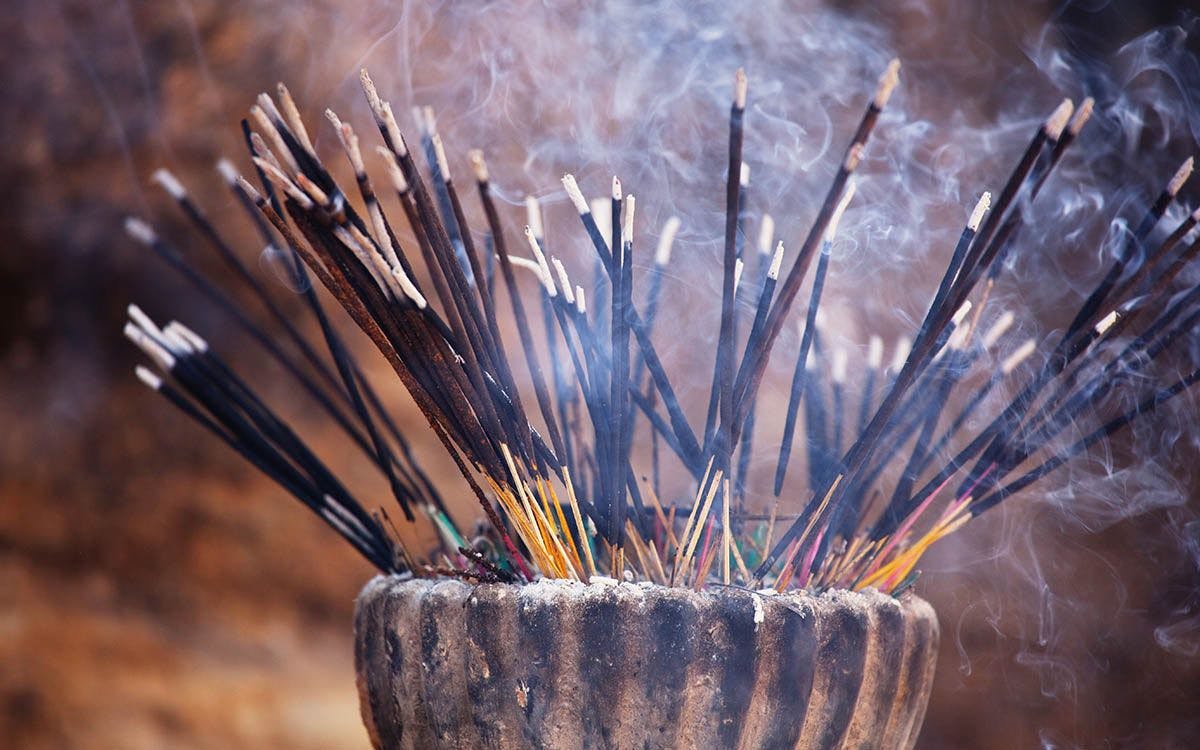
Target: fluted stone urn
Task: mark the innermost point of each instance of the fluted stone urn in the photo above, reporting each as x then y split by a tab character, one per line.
558	664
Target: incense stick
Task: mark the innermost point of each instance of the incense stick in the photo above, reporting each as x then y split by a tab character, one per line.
433	316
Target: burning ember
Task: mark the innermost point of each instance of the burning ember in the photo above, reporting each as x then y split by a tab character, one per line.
897	458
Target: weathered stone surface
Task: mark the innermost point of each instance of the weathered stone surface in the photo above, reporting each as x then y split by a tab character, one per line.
558	664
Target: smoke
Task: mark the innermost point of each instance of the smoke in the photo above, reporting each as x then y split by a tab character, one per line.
642	91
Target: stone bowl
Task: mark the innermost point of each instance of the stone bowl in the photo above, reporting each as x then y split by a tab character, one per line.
558	664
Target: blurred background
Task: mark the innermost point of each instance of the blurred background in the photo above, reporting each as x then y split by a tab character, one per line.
157	592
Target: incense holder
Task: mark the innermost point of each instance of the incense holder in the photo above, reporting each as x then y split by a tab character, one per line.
558	664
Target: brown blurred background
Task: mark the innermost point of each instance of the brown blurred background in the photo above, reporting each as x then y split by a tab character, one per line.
156	592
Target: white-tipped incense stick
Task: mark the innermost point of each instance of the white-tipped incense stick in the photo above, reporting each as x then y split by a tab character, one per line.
1106	322
666	240
887	84
1057	121
170	183
630	207
875	352
900	355
1081	116
543	267
1019	355
533	216
140	231
998	329
1181	176
145	375
227	171
776	262
766	234
564	281
839	365
575	194
836	217
981	208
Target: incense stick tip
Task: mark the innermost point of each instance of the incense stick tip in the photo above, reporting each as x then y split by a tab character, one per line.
392	129
140	230
887	83
838	366
564	281
853	157
169	182
900	356
193	339
666	241
616	188
981	208
250	191
152	349
1019	355
368	87
961	313
1082	114
1058	119
227	171
627	224
998	329
821	319
139	317
409	288
575	194
740	85
478	164
148	377
766	234
267	105
776	262
875	352
1181	176
399	181
443	164
533	215
1106	322
836	217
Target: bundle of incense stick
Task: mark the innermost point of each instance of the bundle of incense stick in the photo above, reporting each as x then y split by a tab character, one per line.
564	492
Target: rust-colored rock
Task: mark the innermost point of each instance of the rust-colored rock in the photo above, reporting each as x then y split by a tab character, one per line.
556	664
